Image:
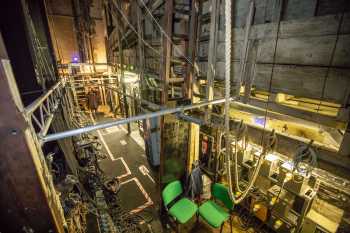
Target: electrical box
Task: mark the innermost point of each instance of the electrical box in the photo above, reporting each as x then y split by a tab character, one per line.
270	166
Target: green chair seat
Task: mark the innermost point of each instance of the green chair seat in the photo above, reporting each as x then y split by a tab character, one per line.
213	214
183	210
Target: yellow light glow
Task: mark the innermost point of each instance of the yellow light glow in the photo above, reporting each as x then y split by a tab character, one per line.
271	157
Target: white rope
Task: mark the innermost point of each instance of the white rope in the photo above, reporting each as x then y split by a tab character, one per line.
228	34
227	91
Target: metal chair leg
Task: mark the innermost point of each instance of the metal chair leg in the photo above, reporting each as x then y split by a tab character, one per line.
222	226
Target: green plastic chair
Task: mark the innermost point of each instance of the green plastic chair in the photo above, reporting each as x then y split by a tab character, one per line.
214	214
183	209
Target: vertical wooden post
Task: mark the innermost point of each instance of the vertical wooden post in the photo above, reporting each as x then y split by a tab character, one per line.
121	61
140	47
193	143
165	74
214	20
192	47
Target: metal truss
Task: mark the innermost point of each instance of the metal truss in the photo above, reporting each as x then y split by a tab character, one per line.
41	112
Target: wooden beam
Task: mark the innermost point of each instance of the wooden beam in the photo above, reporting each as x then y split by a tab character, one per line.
140	46
121	61
193	142
214	24
192	46
165	75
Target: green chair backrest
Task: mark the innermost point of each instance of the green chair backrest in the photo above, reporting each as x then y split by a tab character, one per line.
171	191
220	192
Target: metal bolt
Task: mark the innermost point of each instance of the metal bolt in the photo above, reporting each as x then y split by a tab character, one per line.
14	132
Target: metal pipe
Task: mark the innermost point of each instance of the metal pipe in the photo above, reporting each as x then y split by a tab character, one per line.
36	103
69	133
